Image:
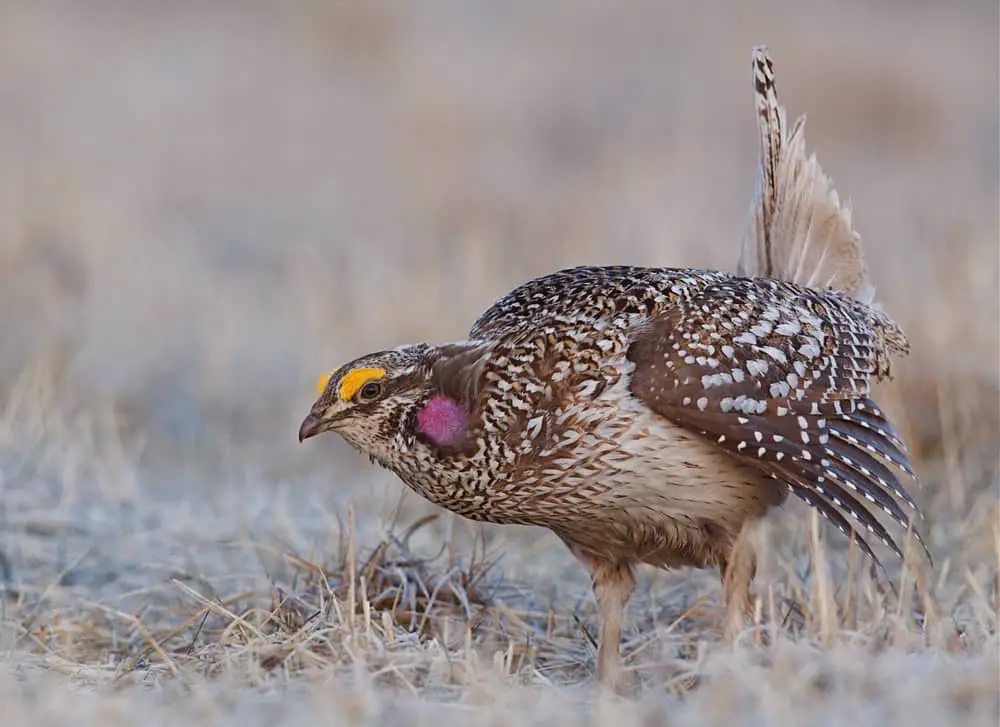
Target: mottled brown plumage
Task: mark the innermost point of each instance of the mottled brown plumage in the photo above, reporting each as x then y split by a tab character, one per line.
647	415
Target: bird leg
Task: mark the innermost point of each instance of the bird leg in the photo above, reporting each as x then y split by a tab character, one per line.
613	585
738	569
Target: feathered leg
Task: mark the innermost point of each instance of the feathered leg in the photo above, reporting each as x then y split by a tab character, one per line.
738	569
613	585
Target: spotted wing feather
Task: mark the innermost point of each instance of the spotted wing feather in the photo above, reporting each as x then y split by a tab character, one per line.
780	376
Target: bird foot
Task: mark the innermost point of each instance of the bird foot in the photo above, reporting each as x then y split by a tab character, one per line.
625	685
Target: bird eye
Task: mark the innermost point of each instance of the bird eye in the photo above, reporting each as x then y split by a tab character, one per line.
370	391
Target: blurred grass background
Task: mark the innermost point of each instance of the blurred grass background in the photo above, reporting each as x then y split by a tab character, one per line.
205	205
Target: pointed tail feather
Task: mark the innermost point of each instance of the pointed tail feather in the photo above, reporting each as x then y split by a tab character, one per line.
798	229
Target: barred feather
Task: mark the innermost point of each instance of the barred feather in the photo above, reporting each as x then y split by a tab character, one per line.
798	229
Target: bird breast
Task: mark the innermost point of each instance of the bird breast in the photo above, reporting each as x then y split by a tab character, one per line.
598	456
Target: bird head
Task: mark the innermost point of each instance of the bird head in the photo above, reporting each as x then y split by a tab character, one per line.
387	402
367	400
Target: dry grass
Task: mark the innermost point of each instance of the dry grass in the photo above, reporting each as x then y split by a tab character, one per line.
201	207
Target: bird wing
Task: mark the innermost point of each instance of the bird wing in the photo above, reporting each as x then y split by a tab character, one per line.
779	376
798	230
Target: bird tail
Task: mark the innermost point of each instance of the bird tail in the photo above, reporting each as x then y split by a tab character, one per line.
798	230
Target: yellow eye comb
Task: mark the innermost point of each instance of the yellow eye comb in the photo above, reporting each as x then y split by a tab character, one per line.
324	380
357	378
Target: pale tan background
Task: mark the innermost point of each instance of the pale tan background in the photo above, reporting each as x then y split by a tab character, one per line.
203	205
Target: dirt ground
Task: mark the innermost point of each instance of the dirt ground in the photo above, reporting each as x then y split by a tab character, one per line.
205	205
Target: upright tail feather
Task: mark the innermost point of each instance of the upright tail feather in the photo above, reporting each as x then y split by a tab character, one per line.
798	230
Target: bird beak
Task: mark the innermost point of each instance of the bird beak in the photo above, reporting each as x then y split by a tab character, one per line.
311	426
